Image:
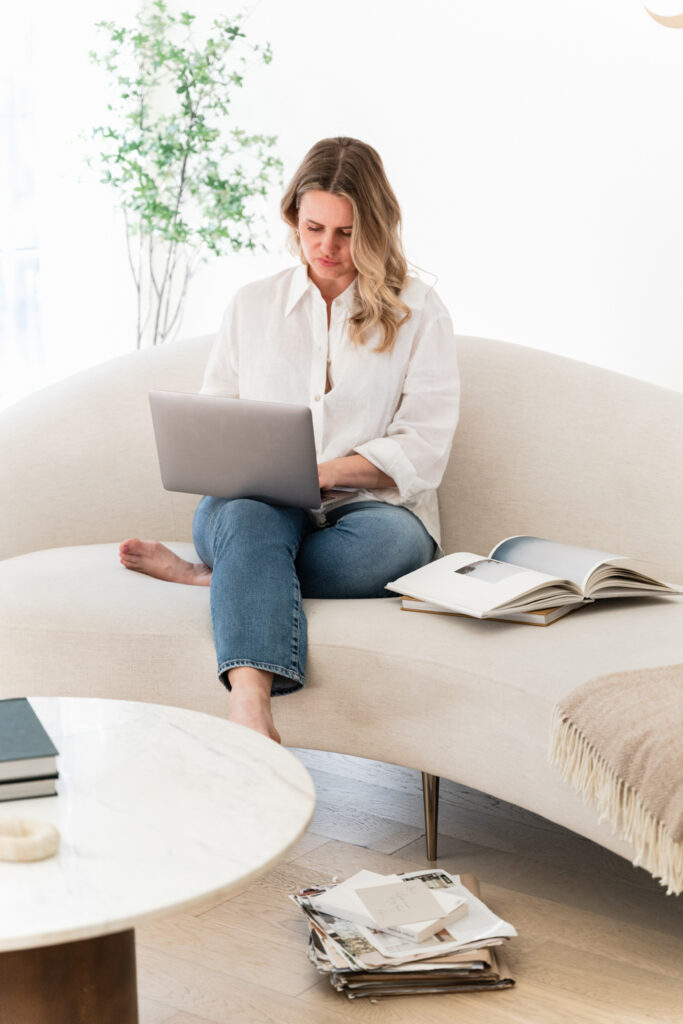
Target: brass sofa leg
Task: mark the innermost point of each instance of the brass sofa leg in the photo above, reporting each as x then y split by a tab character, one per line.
430	794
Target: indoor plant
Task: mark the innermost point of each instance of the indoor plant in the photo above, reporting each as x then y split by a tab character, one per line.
187	180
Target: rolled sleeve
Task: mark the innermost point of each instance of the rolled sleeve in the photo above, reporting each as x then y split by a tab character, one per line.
415	450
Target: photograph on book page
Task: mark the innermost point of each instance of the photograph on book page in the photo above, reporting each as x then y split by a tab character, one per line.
345	937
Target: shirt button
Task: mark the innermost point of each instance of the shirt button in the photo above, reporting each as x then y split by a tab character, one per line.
317	398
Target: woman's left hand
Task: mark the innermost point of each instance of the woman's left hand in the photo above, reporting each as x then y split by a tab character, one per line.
351	471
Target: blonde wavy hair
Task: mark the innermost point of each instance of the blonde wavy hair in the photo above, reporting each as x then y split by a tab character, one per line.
353	169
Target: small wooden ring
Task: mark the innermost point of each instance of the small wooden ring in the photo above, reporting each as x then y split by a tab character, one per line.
27	839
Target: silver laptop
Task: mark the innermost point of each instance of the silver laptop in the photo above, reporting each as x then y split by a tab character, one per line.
236	448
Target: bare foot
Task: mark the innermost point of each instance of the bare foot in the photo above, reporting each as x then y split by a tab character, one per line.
155	559
250	710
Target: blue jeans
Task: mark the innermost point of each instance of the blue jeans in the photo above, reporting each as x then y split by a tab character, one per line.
265	558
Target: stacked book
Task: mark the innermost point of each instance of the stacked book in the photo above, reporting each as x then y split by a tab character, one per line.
28	757
414	933
525	579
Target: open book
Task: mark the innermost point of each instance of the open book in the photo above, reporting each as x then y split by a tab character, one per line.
526	573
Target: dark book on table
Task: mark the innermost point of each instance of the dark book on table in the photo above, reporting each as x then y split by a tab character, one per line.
26	750
25	789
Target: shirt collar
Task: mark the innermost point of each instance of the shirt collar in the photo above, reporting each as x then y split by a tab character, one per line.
298	286
301	283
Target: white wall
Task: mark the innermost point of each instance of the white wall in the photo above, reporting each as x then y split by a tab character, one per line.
536	148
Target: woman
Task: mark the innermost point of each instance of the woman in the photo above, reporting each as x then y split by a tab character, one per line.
371	350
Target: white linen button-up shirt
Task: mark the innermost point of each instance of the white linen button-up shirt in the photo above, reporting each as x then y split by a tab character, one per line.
398	409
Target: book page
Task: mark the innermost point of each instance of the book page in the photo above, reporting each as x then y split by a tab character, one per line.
563	560
466	582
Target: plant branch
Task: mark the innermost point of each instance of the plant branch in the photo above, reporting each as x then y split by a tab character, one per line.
180	303
169	291
179	174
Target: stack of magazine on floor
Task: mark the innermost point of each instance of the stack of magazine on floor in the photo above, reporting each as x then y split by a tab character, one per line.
28	757
459	952
526	579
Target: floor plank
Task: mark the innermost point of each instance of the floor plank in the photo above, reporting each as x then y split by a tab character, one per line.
186	1018
571	886
211	995
363	827
153	1012
599	941
271	960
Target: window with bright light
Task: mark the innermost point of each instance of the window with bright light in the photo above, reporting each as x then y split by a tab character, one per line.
21	353
64	294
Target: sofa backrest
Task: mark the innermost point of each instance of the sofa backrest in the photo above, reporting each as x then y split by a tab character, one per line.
545	445
557	448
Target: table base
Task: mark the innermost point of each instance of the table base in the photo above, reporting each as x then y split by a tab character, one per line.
92	980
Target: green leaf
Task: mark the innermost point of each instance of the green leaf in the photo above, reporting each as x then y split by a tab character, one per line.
170	150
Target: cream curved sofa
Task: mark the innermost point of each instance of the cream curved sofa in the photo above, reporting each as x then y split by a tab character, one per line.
546	446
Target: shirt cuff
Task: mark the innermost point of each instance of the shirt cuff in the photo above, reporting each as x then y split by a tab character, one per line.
387	455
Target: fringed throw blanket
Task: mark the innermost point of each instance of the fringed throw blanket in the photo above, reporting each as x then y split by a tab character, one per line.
618	740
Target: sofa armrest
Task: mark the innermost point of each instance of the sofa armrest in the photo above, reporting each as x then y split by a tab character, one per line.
78	462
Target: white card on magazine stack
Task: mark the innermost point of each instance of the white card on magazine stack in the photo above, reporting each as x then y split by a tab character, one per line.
407	908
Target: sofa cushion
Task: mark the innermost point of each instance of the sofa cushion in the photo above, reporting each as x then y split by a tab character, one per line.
467	699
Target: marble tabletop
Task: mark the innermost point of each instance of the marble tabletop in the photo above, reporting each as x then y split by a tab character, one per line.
158	808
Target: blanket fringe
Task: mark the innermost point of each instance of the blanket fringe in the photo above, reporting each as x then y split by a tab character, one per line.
587	771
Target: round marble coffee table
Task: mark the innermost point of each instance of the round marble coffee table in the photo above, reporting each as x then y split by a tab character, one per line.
158	808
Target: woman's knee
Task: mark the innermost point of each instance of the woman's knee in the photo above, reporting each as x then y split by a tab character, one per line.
362	551
248	518
391	531
414	544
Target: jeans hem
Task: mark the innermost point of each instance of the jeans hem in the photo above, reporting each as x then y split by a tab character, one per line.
281	675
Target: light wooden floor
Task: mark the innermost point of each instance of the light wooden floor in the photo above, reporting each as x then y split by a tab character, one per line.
599	941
